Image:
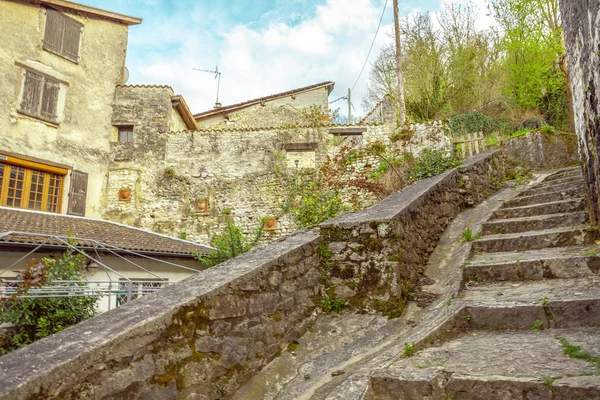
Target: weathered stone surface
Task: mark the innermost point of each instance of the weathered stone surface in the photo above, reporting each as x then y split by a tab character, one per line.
582	39
381	251
558	237
543	198
536	223
555	207
202	337
493	365
540	151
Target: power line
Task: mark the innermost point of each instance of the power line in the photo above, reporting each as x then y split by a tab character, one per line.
339	98
372	44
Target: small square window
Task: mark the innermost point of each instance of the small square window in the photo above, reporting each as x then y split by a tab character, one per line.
126	134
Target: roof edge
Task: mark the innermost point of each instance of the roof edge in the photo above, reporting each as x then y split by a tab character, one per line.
99	12
182	108
238	106
108	222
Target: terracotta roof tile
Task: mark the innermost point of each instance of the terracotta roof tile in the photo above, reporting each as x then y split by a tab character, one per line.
82	228
146	86
260	99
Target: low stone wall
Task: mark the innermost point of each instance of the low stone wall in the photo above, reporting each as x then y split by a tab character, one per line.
201	338
373	259
196	340
540	151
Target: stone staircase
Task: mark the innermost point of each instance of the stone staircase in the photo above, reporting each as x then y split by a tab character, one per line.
526	324
509	305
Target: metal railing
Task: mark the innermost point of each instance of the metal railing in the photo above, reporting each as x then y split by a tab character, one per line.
117	292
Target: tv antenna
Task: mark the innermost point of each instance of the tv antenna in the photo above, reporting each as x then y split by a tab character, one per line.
217	77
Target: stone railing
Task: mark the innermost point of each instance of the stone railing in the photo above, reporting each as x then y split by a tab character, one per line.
202	338
373	258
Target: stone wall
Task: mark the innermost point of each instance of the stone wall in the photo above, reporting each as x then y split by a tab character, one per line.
581	26
374	259
540	151
186	183
201	338
240	173
196	340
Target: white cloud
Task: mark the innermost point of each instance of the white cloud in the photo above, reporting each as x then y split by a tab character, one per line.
258	61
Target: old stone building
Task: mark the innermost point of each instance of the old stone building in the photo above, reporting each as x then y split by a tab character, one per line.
582	36
187	177
60	69
77	140
272	110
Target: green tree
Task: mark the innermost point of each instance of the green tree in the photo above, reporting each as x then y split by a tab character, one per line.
36	318
230	244
447	70
534	57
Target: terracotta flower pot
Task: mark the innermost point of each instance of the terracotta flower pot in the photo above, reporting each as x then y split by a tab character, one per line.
201	205
125	194
270	223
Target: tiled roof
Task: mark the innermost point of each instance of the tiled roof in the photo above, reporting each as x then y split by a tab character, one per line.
82	228
122	18
236	128
375	108
146	86
244	104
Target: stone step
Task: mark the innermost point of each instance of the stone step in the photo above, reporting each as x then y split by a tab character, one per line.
544	189
557	237
560	182
551	263
554	207
496	365
543	198
535	223
567	173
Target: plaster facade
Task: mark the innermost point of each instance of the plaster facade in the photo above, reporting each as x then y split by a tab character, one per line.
79	139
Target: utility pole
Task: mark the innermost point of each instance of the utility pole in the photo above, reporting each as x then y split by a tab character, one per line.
349	109
401	105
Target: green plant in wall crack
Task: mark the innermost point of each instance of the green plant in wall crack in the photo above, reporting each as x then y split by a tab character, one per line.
409	349
169	172
331	303
469	236
230	244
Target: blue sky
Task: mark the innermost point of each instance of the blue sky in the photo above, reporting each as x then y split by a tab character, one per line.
261	46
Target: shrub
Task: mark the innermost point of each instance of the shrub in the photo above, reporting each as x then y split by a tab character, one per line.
462	124
532	123
230	244
36	318
431	163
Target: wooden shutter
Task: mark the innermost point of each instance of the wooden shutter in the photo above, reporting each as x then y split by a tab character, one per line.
53	35
72	35
32	91
78	193
49	99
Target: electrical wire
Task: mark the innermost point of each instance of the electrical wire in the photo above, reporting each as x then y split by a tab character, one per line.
372	44
339	98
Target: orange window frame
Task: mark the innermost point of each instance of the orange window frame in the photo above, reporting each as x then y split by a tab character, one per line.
31	168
